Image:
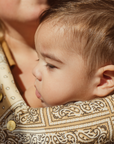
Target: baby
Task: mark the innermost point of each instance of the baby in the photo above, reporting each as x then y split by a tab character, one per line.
75	47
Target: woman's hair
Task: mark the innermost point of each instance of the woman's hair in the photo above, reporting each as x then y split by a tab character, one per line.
92	22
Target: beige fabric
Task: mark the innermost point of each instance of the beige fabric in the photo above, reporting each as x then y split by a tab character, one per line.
90	122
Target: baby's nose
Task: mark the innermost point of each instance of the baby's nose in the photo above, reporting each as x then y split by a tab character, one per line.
37	73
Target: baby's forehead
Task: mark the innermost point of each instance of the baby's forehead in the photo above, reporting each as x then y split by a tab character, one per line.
53	26
52	30
56	29
72	35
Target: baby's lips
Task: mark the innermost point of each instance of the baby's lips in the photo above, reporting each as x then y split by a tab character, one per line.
37	94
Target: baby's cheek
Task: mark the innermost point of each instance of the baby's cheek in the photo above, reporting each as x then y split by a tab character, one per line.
54	94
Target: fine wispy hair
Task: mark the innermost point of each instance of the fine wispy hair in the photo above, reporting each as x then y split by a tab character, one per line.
90	21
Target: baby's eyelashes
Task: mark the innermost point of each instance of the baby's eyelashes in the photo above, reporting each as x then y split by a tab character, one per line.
50	66
37	59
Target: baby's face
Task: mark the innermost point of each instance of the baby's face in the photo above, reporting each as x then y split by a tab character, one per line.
60	74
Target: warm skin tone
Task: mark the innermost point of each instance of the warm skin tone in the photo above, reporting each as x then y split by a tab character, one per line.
61	75
21	18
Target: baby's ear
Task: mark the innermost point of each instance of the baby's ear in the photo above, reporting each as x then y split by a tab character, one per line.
105	79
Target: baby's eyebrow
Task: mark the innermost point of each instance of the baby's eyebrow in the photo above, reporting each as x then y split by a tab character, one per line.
50	56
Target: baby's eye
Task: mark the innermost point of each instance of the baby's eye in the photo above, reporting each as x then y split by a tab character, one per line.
37	59
50	66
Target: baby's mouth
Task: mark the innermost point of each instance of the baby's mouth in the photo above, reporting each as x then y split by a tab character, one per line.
37	93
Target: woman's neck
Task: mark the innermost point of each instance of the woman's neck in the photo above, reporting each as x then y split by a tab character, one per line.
21	33
20	39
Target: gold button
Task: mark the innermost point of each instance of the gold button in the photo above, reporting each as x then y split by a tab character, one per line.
11	125
1	97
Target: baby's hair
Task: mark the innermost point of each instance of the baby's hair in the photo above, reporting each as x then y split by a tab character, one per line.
92	22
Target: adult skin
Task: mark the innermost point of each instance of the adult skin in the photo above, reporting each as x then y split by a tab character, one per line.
20	19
